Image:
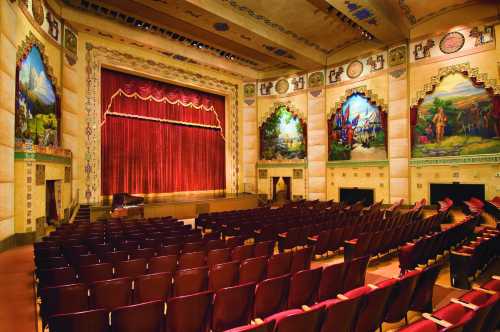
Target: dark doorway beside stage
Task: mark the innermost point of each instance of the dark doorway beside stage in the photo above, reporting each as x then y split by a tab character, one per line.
50	201
281	188
458	192
353	195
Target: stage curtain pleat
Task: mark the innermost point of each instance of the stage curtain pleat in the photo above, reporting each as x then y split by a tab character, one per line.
144	156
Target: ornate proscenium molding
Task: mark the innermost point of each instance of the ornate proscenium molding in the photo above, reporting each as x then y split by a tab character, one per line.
464	68
25	48
288	104
373	97
98	56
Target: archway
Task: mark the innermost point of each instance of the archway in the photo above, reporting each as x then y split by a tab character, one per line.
283	135
457	115
37	101
357	129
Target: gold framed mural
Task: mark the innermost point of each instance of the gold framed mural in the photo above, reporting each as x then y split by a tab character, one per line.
458	116
37	107
283	135
357	127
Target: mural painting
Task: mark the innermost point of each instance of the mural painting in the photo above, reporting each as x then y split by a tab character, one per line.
356	131
36	103
283	136
458	118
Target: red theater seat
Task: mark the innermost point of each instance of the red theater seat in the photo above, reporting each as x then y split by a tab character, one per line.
232	307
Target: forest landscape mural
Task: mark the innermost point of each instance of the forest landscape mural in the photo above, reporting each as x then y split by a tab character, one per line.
36	103
283	136
356	131
458	118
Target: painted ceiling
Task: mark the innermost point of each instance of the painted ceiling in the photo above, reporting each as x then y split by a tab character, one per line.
273	36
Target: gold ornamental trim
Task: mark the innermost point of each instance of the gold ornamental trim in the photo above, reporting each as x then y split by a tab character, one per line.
463	68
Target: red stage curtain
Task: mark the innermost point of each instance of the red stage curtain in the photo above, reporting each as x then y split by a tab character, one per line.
144	156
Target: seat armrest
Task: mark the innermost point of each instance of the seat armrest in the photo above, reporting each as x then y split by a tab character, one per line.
306	308
465	304
438	321
460	253
495	277
257	321
342	297
487	291
372	286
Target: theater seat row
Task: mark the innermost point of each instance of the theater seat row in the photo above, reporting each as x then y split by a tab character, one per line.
232	305
477	310
470	259
362	309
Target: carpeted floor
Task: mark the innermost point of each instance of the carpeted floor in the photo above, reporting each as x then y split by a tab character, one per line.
17	299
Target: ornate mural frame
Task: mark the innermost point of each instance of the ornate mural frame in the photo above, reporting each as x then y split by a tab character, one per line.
97	56
362	89
291	108
25	48
374	99
22	52
288	104
463	68
471	72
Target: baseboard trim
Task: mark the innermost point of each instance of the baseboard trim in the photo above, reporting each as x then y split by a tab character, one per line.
17	240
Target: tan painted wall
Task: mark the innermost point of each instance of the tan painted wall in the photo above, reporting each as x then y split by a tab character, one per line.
8	19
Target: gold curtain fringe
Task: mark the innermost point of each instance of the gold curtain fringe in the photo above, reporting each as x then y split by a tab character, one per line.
120	92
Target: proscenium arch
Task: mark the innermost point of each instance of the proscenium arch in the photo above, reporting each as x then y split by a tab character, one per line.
290	108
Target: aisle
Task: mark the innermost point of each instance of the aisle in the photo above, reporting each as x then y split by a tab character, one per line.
17	303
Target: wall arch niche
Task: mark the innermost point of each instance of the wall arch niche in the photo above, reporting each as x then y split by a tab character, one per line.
458	115
37	115
357	128
283	135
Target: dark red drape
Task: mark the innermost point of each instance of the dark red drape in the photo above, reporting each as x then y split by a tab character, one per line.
144	156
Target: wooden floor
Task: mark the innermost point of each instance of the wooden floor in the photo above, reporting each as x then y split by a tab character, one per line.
17	297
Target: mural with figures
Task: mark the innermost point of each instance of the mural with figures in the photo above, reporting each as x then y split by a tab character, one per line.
456	119
283	136
36	104
356	131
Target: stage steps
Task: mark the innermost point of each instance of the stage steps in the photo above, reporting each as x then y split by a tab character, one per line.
83	214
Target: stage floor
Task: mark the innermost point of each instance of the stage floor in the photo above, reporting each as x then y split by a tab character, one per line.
184	205
183	198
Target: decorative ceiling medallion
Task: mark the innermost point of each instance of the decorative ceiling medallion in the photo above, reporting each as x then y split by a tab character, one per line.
316	79
249	90
249	102
397	56
354	69
282	86
221	26
37	9
452	42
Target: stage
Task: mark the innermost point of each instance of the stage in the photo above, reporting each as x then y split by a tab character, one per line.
183	206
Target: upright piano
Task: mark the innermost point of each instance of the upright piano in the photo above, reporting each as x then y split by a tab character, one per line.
127	206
